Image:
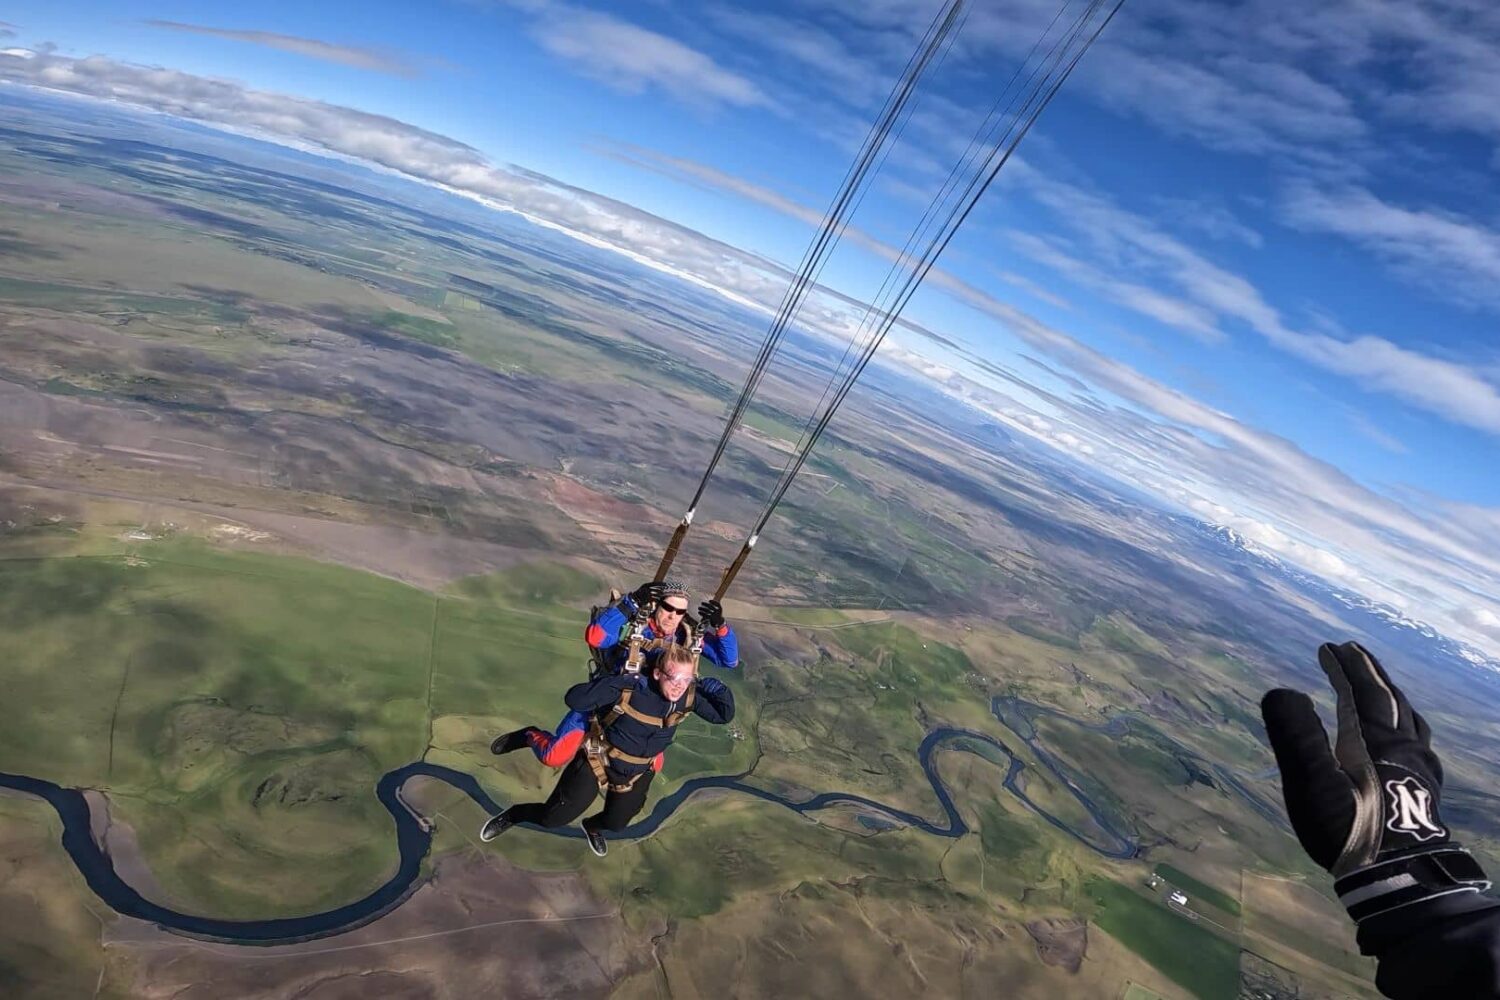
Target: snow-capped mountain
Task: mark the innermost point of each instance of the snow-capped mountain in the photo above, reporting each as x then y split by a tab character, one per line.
1387	625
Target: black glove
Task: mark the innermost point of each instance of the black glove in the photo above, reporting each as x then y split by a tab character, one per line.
648	593
711	615
1367	809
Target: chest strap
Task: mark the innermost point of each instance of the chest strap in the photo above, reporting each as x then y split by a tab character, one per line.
599	751
623	707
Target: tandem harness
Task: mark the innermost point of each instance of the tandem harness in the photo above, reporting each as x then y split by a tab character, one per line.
599	751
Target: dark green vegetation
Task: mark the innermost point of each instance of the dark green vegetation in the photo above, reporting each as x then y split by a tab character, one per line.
239	707
1202	890
1006	837
1189	954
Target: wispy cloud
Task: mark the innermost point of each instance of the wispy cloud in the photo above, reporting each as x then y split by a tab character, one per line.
1208	218
1170	311
1436	249
1125	242
1033	289
374	60
7	30
1371	430
710	178
805	47
633	59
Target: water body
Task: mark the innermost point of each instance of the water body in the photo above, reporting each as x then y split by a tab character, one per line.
1109	837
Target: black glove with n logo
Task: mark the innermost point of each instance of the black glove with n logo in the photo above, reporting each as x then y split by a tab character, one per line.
1367	808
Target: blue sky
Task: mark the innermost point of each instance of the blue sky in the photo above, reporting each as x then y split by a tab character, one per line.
1251	258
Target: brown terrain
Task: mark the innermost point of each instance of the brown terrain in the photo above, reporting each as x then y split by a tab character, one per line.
510	933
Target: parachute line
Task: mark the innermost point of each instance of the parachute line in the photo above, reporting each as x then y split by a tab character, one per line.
1000	143
835	220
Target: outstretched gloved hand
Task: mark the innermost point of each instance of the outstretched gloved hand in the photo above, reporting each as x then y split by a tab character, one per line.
648	593
711	614
1367	808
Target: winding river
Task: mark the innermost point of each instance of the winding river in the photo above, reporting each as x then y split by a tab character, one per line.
413	839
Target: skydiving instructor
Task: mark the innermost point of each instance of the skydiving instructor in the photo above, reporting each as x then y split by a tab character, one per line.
1366	809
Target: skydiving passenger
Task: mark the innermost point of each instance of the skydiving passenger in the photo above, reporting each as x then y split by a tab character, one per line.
631	719
608	634
1367	809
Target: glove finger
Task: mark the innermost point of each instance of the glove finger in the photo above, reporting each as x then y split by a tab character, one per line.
1319	797
1299	741
1354	697
1382	707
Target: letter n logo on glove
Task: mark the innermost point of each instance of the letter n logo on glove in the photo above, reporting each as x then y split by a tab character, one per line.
1411	810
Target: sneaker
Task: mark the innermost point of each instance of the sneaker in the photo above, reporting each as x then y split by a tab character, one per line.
510	742
596	840
495	826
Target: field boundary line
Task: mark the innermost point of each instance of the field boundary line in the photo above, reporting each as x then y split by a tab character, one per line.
114	716
431	667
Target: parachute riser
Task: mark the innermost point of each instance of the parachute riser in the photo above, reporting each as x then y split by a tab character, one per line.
734	568
673	546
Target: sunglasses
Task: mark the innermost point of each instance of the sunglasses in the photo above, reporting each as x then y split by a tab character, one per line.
673	609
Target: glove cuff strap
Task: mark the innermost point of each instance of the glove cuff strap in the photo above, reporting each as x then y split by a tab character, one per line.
1410	878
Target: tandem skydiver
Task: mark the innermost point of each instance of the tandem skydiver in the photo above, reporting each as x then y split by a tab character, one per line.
1366	809
631	720
608	634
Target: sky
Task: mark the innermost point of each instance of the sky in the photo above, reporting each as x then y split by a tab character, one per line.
1248	261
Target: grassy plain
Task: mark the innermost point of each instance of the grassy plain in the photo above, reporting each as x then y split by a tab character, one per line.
1196	887
50	945
1187	953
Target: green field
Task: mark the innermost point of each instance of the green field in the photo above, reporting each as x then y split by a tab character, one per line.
1200	889
1189	955
239	708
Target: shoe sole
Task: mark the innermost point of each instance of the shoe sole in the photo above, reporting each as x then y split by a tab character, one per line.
486	836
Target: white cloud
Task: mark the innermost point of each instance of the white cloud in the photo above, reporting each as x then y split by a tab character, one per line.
1369	429
1125	242
345	55
1209	218
1440	251
1171	311
1482	620
1291	504
805	47
632	59
1033	289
